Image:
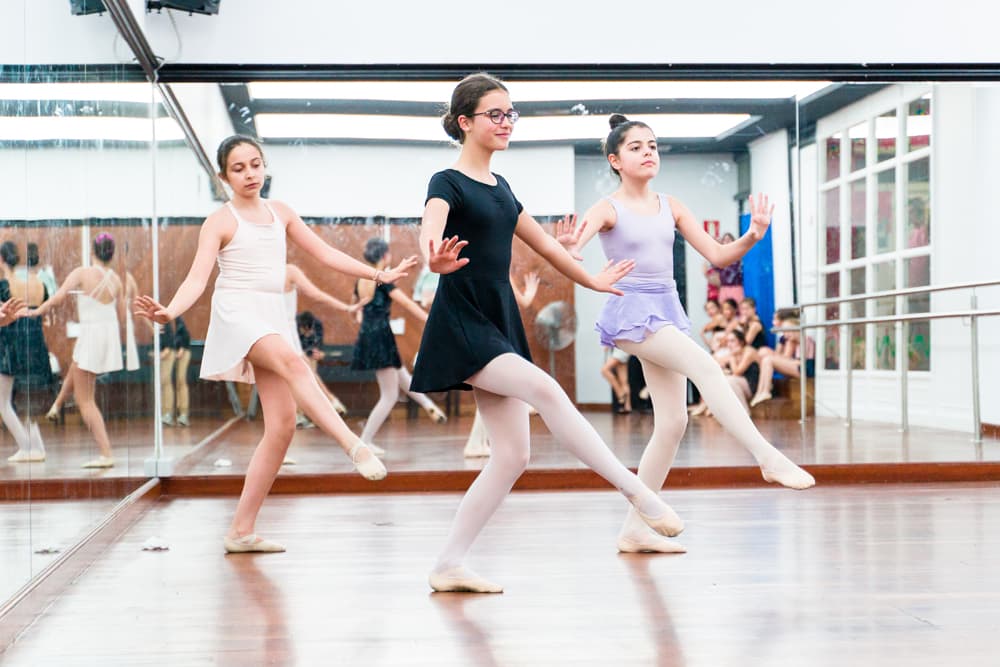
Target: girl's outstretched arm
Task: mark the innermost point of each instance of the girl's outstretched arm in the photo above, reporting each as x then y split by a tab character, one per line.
529	231
717	253
337	260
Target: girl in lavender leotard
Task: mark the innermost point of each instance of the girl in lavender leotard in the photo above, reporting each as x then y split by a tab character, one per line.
649	321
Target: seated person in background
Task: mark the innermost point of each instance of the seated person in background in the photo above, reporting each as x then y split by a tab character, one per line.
750	323
615	371
785	358
716	322
742	367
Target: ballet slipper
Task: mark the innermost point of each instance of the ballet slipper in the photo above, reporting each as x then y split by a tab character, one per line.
288	461
781	470
338	406
644	393
250	544
100	462
699	409
648	543
665	521
370	468
476	450
167	419
183	420
376	450
760	398
436	414
53	415
26	456
460	580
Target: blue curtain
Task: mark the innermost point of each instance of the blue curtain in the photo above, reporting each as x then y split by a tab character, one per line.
758	276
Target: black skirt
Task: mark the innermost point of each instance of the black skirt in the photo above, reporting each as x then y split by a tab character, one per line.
472	321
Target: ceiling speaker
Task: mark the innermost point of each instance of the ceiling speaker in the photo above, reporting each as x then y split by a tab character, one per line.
189	6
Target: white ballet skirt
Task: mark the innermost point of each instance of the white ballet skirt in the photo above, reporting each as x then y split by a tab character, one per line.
131	349
98	348
291	306
249	300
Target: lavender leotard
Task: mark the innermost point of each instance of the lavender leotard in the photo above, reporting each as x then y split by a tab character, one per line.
650	301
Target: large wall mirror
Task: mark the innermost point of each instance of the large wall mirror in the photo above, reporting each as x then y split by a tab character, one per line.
76	158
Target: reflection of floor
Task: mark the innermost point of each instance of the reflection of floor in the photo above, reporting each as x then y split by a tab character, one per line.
419	444
877	575
70	445
46	524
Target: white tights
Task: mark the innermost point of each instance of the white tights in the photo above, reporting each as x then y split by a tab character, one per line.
668	356
503	388
390	382
8	415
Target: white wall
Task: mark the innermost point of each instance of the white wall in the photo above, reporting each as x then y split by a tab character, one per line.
707	185
769	175
437	31
392	180
964	238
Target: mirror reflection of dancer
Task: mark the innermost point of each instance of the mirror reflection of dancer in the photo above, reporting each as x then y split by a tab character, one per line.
296	282
249	334
24	358
98	348
474	337
375	348
649	321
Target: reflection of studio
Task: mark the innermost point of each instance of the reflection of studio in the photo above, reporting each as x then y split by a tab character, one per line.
359	320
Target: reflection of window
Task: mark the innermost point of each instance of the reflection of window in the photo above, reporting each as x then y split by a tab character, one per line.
875	197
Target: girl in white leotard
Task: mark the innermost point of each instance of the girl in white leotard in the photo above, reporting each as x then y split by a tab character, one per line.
249	336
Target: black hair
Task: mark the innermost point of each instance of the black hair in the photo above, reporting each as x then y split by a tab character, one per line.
752	301
620	125
227	146
9	253
104	247
305	320
740	336
464	100
32	257
732	303
375	249
715	301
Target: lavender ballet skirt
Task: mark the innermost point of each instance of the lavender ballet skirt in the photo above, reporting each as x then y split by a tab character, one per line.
644	309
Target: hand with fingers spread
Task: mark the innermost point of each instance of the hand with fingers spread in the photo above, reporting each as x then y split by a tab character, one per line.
152	310
760	216
11	309
392	275
612	273
568	234
445	258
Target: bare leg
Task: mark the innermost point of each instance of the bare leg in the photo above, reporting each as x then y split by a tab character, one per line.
609	371
83	389
64	390
273	353
673	350
167	359
278	406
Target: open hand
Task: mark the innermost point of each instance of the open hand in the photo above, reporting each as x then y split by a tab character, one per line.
11	309
392	275
531	282
612	273
152	310
760	216
445	258
568	234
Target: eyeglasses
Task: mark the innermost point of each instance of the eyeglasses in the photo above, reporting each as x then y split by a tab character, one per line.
497	116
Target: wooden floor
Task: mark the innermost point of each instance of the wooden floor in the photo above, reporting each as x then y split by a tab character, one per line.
421	445
35	533
880	575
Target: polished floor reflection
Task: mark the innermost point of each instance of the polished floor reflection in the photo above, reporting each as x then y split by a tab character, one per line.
878	575
35	533
418	444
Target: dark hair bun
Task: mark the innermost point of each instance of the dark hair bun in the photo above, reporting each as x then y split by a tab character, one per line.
375	249
450	124
616	120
